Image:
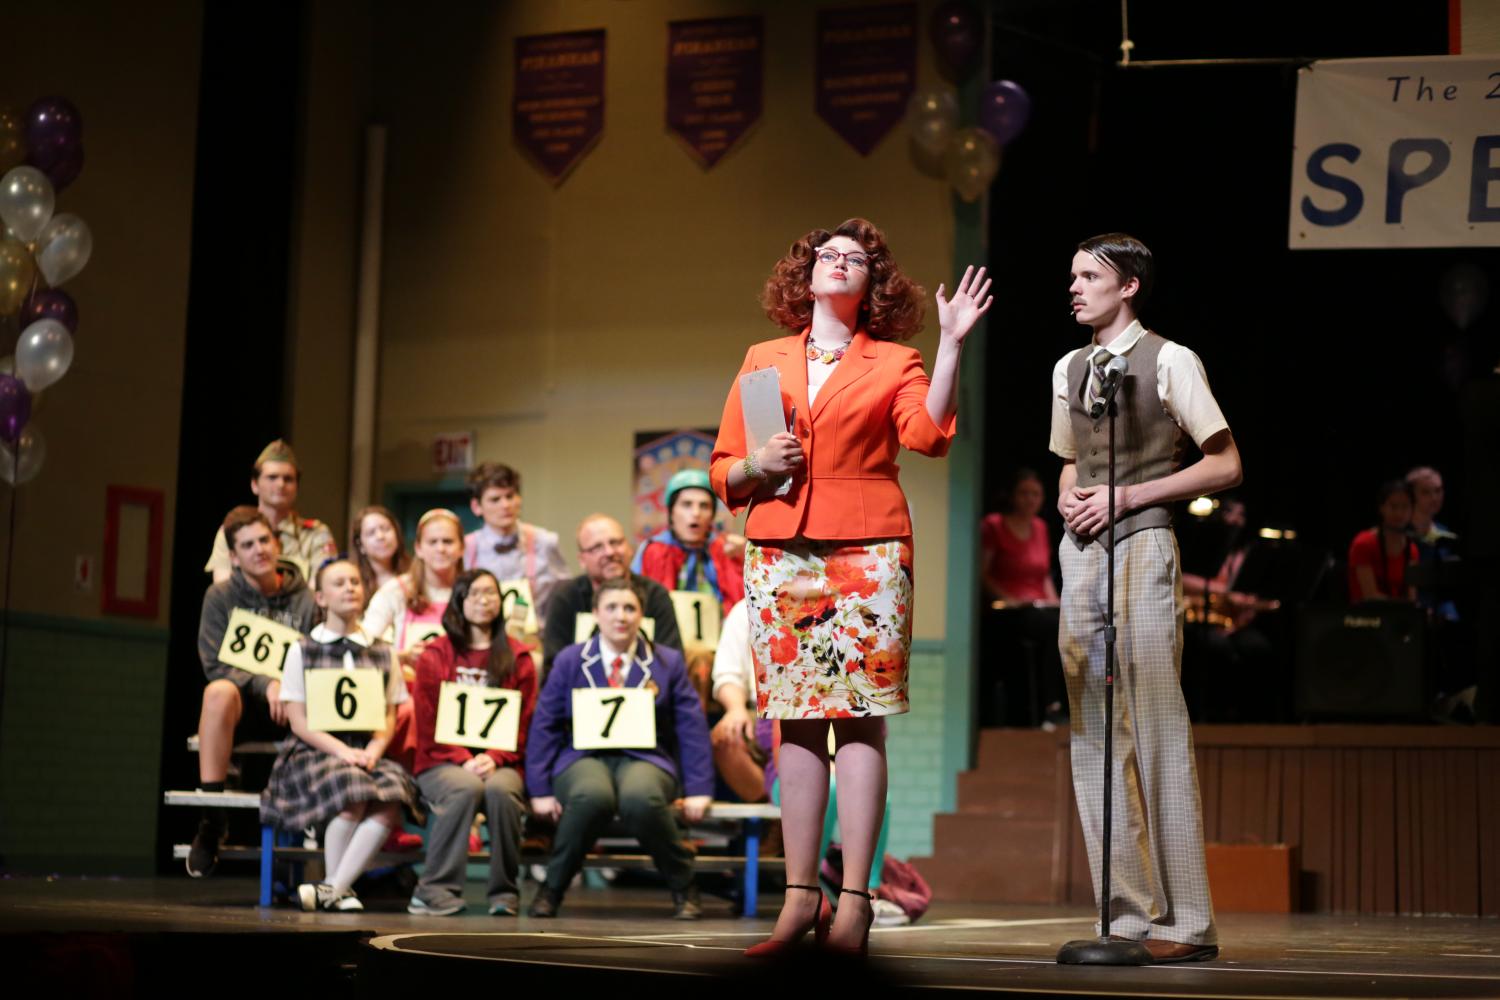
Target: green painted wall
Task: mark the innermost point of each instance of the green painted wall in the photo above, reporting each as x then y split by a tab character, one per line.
80	744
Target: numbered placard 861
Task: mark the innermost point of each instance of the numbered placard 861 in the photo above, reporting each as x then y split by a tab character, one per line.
256	644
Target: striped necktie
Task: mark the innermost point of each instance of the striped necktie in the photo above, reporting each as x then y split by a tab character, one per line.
1097	361
617	672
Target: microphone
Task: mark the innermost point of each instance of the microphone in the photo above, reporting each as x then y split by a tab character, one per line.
1114	374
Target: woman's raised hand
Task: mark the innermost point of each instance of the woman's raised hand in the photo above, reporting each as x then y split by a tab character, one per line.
971	300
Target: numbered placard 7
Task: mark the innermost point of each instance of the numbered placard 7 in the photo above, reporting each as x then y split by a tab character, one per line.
256	644
342	701
697	617
614	719
486	717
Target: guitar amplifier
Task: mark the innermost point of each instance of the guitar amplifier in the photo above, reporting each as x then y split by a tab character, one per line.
1364	661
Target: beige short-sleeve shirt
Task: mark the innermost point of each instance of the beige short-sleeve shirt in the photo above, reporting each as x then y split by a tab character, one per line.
1181	383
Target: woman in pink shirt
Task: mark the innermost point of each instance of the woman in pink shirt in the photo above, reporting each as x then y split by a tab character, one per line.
1016	549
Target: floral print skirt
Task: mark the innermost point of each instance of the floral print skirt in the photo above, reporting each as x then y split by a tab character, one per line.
830	627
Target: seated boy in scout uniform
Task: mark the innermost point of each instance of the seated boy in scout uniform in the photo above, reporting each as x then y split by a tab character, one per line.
268	589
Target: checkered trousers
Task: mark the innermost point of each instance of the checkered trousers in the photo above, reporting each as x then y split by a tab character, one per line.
1159	880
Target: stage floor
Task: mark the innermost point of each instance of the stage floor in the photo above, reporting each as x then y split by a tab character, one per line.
624	936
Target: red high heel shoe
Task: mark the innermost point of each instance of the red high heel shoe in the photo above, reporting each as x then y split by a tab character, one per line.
819	926
863	951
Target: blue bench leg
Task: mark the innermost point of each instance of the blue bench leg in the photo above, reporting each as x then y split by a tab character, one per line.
752	866
267	854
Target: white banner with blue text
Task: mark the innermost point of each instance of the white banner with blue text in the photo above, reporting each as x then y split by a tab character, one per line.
1397	153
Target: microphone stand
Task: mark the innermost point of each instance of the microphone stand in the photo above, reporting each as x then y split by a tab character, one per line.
1104	950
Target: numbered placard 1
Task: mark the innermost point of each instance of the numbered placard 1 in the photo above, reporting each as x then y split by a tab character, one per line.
470	716
698	617
584	624
518	607
256	644
614	719
340	701
420	632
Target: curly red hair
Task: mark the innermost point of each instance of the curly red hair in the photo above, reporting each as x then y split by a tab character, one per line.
892	309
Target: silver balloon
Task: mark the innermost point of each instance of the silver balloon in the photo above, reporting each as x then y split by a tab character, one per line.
972	160
43	354
932	116
26	202
63	248
20	462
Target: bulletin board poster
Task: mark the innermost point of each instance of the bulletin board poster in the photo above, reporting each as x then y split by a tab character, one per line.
659	455
714	82
558	110
866	70
1397	153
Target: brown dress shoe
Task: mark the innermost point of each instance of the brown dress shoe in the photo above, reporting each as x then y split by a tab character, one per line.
1165	952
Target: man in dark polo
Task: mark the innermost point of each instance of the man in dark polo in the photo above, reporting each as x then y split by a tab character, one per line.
604	553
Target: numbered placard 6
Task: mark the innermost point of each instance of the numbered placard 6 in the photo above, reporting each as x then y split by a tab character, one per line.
518	607
256	644
614	719
698	618
470	716
341	701
584	624
420	632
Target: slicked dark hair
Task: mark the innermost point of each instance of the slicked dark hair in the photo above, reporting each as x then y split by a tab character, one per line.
1129	257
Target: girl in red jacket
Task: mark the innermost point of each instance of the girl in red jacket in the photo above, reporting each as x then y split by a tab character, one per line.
473	651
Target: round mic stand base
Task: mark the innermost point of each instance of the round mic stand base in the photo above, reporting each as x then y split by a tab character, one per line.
1103	951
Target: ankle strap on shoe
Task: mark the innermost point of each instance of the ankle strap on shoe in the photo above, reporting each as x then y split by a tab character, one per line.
856	892
809	888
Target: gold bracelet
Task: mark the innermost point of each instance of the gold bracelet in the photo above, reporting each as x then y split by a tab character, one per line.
752	468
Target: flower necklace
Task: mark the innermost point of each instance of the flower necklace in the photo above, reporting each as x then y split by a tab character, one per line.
827	357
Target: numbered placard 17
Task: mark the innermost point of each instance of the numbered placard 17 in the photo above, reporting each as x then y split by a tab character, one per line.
484	717
343	701
518	607
584	624
614	719
698	617
256	644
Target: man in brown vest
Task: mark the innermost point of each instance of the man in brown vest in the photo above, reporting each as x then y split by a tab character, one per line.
1159	879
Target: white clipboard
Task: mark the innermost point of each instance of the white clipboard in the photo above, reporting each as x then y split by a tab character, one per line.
760	403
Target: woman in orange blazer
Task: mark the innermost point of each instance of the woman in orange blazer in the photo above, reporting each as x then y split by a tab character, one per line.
828	565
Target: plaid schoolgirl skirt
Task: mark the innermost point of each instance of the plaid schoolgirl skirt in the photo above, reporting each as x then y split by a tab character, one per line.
309	787
830	627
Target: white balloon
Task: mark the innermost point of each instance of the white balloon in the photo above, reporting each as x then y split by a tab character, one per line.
26	202
31	447
43	354
932	116
63	248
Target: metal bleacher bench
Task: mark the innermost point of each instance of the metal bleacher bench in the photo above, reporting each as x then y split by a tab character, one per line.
748	817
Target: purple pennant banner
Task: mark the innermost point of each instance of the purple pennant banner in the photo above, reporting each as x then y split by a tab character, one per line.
559	102
867	68
714	75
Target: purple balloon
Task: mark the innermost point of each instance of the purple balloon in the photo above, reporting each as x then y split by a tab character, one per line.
62	164
52	122
50	303
1004	108
956	29
15	408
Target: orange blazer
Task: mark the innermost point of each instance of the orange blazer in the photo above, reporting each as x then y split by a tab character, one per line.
874	403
